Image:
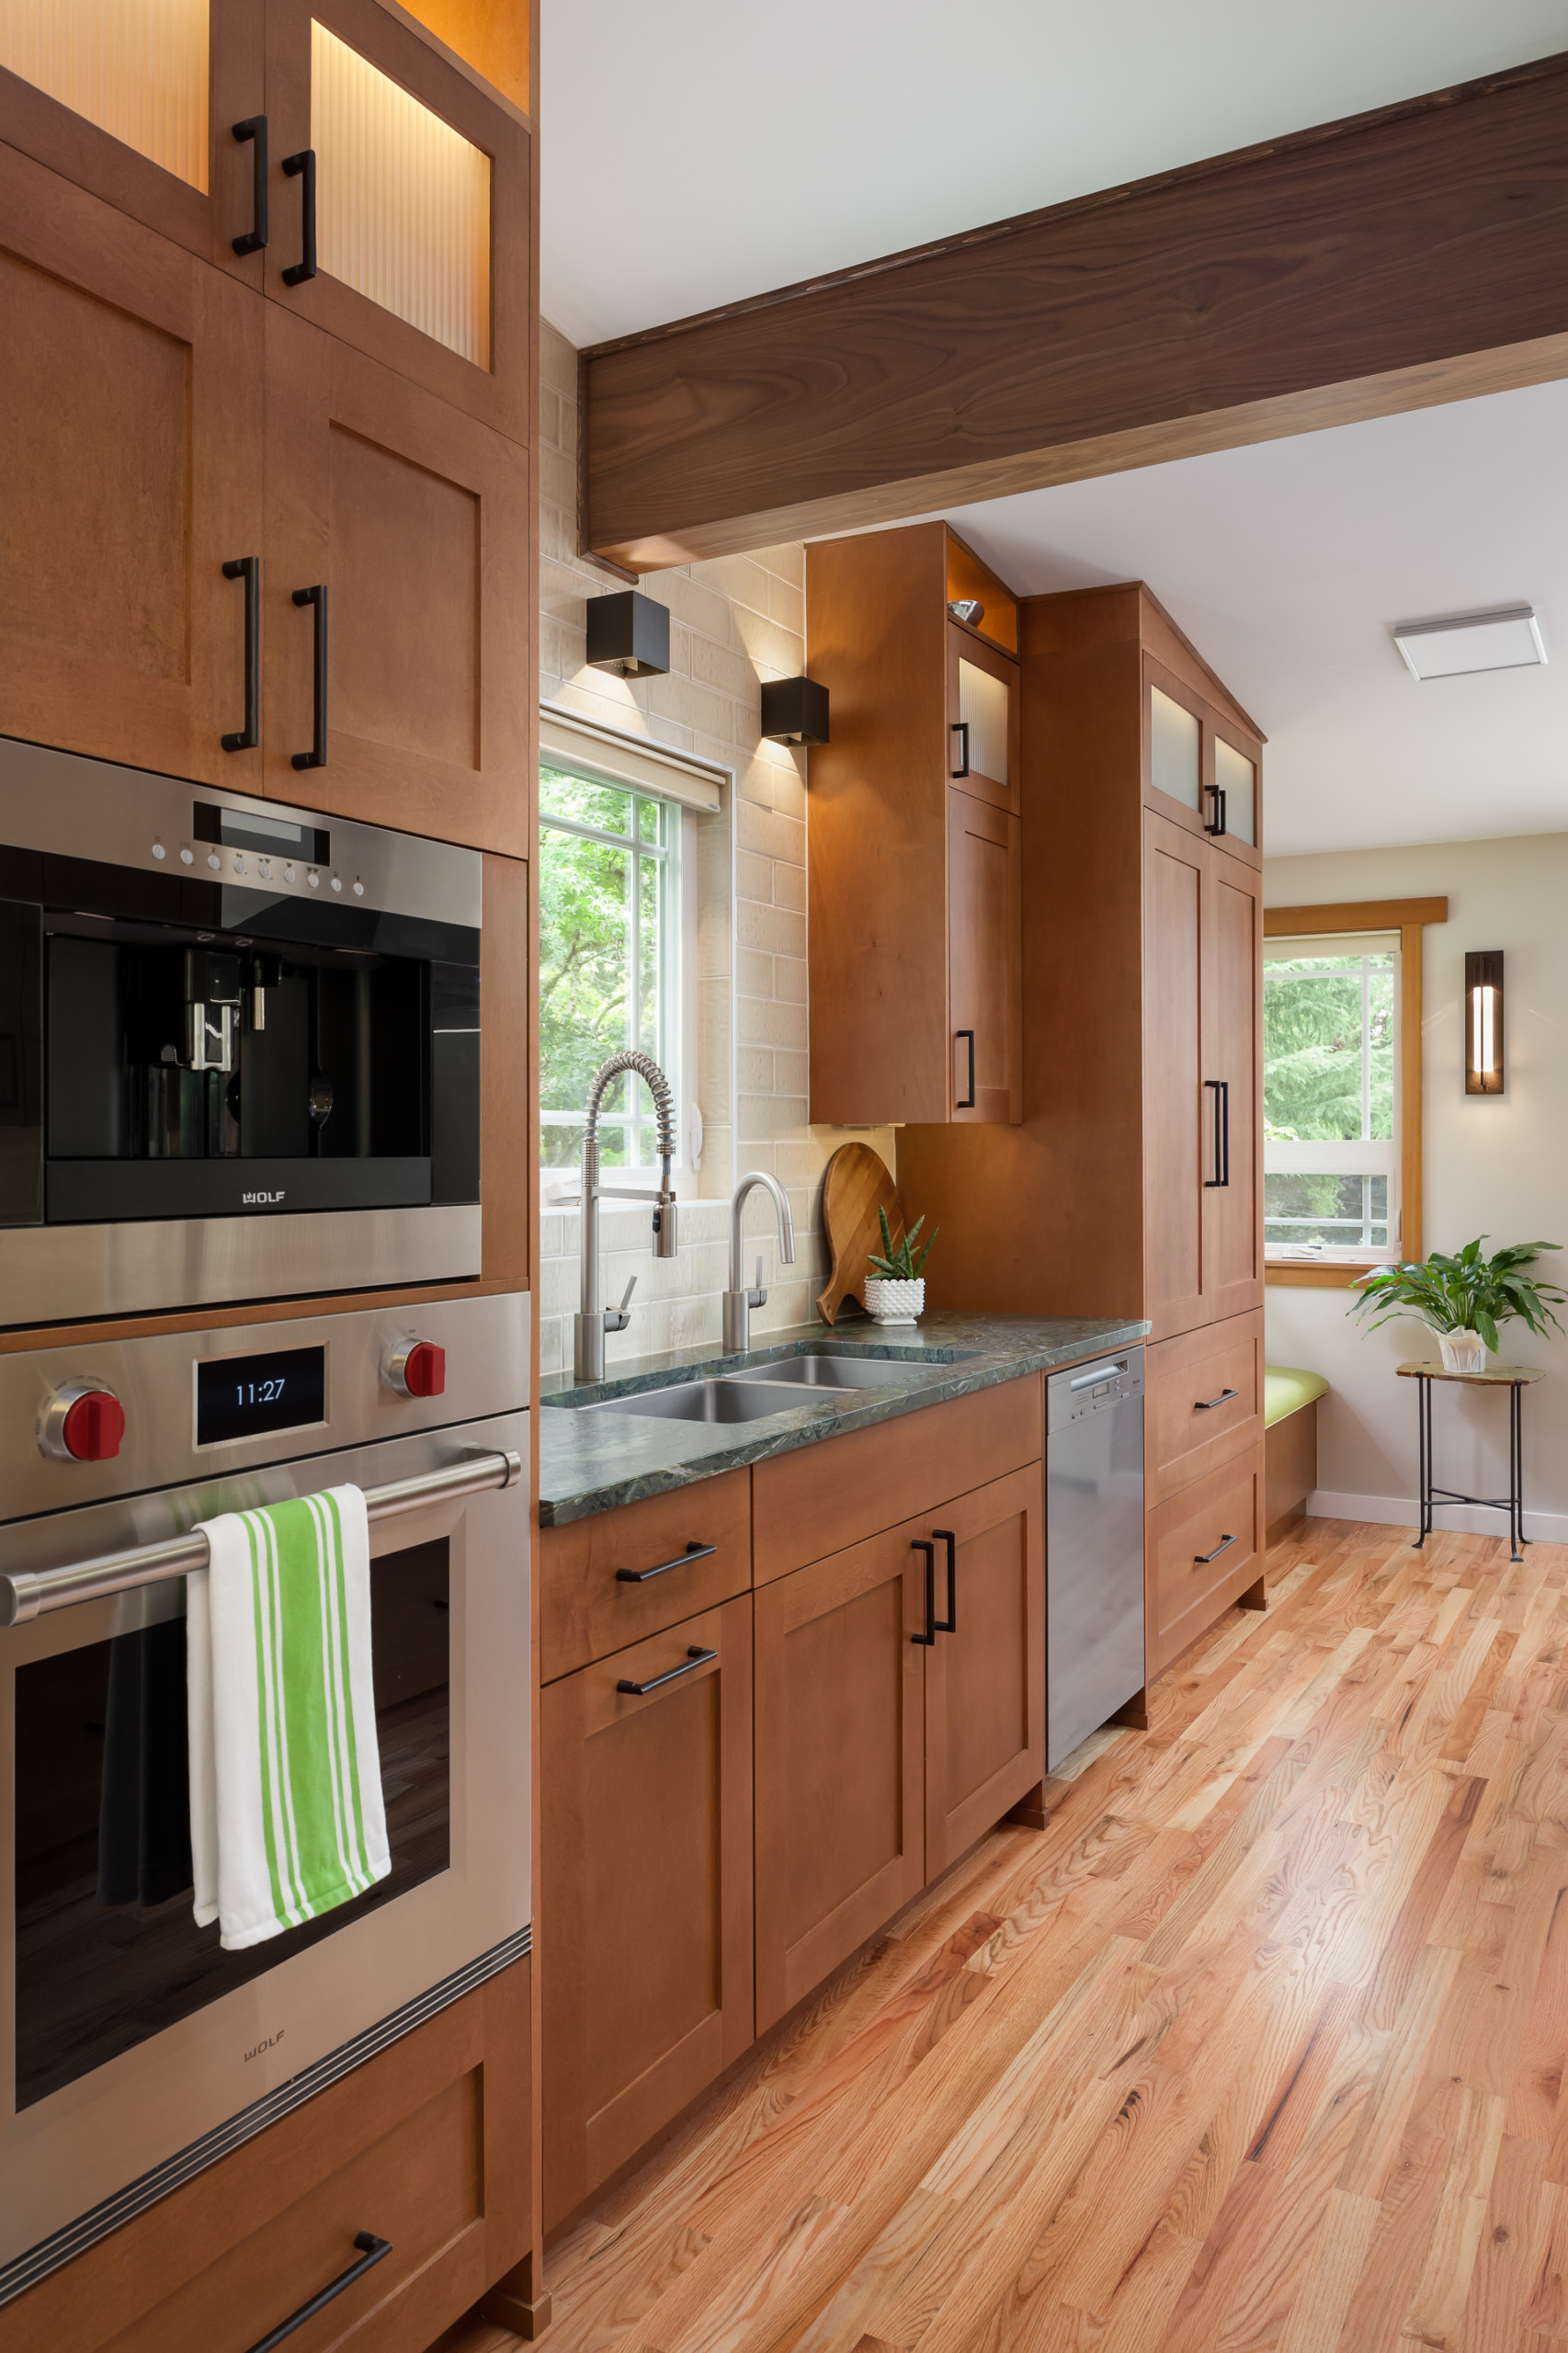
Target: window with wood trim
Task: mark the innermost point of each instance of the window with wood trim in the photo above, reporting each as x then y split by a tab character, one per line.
1342	1087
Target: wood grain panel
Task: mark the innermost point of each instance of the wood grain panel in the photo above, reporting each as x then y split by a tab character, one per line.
1184	1593
1290	1466
1190	1424
647	1871
985	1680
420	2144
840	1831
130	438
824	1498
984	962
1387	261
1179	1148
1232	1010
586	1613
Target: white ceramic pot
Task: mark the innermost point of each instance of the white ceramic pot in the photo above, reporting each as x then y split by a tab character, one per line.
888	1302
1463	1351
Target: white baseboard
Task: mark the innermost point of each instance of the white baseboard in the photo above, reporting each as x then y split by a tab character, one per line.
1463	1519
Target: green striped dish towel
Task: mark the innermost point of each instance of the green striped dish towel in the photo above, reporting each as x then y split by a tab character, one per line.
286	1811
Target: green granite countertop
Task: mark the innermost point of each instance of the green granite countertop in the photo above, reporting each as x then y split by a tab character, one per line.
591	1462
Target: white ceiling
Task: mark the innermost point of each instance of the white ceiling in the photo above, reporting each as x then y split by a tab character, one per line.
1287	564
706	150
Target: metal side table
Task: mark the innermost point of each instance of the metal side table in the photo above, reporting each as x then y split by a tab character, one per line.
1516	1379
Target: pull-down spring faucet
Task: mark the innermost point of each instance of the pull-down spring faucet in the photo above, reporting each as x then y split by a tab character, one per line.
594	1321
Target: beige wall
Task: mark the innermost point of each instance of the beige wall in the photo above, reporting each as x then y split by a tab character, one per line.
733	622
1494	1165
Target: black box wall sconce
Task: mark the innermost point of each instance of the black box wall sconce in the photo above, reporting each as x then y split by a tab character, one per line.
794	710
628	632
1483	1069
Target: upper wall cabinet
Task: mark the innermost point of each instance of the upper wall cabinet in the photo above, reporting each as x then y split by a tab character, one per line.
915	834
326	151
1201	767
131	472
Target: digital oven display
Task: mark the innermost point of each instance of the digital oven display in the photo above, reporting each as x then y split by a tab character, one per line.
251	1396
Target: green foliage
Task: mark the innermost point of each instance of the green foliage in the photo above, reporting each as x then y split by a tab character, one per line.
1312	1047
1467	1293
898	1263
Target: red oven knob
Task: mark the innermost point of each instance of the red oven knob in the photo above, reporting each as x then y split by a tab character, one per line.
418	1368
83	1423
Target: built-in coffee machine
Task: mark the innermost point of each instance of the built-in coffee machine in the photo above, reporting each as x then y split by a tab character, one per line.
239	1046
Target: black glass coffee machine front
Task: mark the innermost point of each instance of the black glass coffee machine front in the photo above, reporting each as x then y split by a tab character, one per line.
214	1010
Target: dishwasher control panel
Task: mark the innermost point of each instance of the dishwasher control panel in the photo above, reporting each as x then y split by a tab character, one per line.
1083	1389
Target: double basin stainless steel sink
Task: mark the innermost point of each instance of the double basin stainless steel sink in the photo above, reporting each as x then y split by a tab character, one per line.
753	1393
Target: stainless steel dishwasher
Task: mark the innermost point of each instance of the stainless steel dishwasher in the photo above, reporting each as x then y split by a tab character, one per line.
1094	1547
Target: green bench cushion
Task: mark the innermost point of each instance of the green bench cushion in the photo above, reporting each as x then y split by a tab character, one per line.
1286	1389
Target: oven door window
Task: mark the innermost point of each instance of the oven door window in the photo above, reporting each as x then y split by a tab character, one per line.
108	1952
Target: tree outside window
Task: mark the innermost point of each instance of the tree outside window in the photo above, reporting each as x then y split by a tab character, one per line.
1331	1114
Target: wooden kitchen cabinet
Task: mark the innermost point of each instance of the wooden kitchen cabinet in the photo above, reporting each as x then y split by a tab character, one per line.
417	519
985	1672
647	1892
840	1745
1203	1402
915	846
426	2144
617	1577
131	471
1206	1548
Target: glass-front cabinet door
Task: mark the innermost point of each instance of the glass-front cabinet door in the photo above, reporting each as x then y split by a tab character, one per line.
1202	768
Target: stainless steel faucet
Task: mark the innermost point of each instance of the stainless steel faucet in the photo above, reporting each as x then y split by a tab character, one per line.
594	1321
738	1300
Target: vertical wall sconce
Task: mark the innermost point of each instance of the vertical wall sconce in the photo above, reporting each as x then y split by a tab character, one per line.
1483	1068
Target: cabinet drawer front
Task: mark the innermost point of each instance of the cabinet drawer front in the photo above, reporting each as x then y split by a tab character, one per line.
818	1500
1193	1425
419	2146
597	1594
1207	1549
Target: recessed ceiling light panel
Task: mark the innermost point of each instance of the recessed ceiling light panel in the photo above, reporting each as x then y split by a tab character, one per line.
1508	639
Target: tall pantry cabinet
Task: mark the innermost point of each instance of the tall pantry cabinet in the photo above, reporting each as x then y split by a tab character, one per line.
1133	1185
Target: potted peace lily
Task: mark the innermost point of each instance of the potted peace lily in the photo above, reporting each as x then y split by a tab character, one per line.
1464	1299
895	1293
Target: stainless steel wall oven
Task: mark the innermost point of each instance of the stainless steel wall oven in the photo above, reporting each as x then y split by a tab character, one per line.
133	2048
239	1046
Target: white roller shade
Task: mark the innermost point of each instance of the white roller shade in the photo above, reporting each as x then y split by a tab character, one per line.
609	757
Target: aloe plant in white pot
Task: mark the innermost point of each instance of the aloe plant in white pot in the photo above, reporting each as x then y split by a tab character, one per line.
1464	1298
895	1293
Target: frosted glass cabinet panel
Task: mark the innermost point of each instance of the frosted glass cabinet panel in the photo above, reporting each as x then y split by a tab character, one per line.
1236	777
137	68
985	710
1174	749
404	201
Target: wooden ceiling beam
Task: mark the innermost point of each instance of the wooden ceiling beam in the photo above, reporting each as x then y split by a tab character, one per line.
1393	261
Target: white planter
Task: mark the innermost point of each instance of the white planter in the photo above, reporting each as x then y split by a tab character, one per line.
894	1302
1463	1351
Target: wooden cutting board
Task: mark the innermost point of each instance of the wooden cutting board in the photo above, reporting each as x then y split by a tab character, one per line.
857	1185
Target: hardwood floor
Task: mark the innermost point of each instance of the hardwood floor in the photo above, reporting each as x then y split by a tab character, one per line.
1259	2045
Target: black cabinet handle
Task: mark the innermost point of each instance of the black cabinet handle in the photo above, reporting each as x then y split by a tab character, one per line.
968	1102
695	1656
928	1638
302	166
960	727
316	757
1203	1405
1217	793
371	2251
248	569
640	1577
1201	1560
949	1624
254	128
1222	1176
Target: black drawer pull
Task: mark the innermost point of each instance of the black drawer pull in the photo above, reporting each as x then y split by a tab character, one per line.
928	1638
303	166
960	727
1201	1560
662	1568
254	127
316	757
371	2251
1204	1405
949	1624
248	569
1217	793
695	1656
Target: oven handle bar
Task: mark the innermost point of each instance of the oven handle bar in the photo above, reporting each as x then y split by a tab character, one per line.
29	1593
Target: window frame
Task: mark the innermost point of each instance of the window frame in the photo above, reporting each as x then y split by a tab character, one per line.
1409	918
